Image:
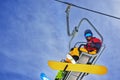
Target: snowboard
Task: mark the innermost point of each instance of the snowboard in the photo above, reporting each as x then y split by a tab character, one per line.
87	68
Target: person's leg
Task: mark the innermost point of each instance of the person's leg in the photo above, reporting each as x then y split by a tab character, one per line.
70	59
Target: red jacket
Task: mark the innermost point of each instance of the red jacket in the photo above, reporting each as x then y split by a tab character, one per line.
93	44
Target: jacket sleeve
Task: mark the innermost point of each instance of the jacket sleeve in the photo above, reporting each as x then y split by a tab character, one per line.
97	43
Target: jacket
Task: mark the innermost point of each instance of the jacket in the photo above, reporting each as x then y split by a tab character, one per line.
93	44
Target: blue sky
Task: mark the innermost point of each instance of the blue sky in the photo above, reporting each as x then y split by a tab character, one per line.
34	31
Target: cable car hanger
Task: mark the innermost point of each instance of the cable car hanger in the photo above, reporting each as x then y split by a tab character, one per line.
76	28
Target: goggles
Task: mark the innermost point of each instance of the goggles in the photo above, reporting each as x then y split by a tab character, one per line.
88	35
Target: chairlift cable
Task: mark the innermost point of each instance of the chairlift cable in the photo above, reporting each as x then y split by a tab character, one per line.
88	9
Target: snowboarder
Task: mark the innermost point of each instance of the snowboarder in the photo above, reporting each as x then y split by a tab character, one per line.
91	47
93	43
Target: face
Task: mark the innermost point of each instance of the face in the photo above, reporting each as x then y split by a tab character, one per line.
88	38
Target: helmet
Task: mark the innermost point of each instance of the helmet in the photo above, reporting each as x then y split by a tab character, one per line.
88	33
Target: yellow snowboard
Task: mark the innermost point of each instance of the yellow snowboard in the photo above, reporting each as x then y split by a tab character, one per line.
87	68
